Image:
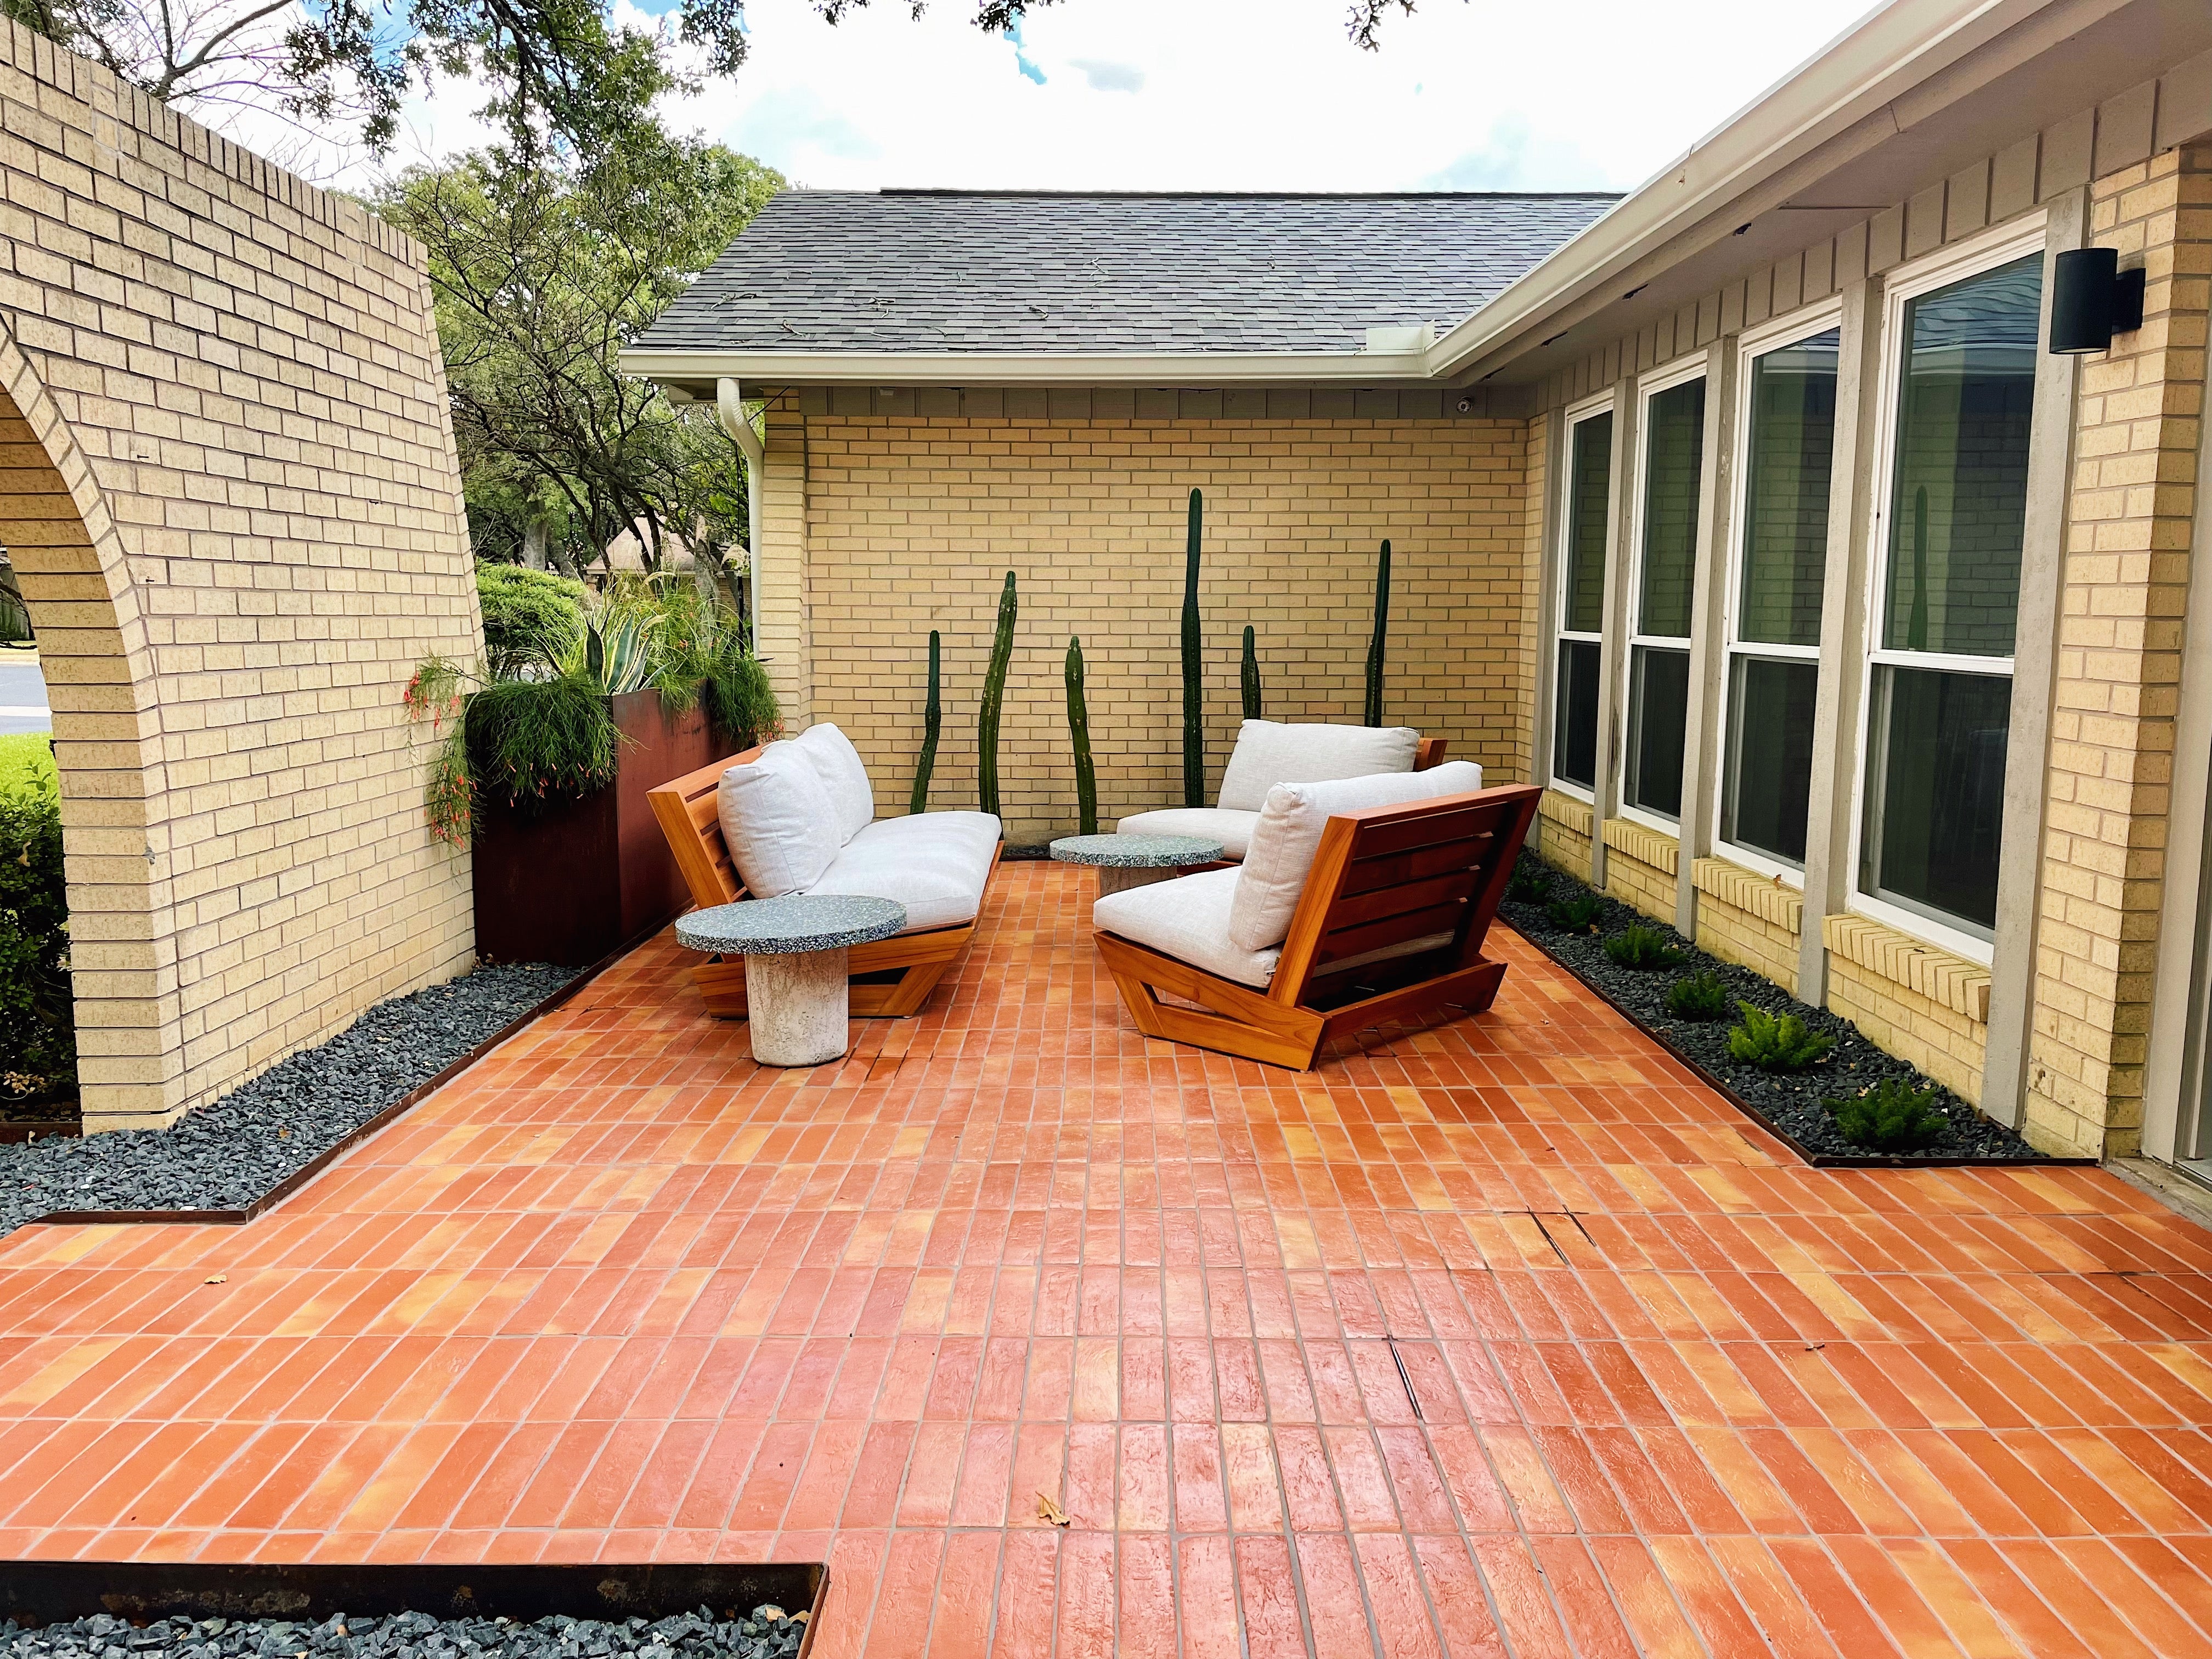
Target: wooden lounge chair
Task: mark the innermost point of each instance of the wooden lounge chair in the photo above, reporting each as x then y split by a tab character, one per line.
1389	926
890	978
1268	752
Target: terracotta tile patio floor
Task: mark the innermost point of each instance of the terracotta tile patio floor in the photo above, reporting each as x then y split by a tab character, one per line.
1506	1338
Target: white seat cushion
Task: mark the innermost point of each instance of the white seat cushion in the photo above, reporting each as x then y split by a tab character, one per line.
781	825
1187	919
1232	830
844	778
936	864
1268	752
1283	841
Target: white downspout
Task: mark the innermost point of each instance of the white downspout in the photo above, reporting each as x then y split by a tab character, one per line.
730	406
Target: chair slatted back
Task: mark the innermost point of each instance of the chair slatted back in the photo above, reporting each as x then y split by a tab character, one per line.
1390	876
689	810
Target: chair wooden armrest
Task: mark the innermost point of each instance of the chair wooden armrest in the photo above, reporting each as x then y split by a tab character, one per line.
1384	877
890	978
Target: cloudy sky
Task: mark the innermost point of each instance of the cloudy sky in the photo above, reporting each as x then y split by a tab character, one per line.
1238	95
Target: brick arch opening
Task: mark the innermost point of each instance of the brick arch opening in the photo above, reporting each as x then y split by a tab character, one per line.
92	650
228	488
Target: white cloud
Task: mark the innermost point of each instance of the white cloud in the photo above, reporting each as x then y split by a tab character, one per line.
1101	75
1239	94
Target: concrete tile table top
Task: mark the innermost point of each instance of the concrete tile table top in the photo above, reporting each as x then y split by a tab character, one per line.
1135	852
794	924
1502	1338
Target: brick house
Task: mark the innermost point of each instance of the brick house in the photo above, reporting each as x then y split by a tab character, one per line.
1849	624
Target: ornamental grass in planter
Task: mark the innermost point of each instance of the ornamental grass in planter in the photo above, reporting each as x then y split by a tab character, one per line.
546	751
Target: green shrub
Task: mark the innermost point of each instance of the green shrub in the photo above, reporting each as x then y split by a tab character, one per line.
533	619
1775	1043
1642	948
37	1032
1577	914
1893	1116
1700	996
1528	883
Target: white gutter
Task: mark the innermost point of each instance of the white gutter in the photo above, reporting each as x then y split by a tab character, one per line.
875	368
730	408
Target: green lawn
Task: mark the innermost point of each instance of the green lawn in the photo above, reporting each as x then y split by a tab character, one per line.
25	756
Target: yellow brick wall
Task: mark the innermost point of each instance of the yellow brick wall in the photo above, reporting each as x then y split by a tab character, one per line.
1749	919
1639	868
1563	831
2126	569
911	521
1927	1007
226	481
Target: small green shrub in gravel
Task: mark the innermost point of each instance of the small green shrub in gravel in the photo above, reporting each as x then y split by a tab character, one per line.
1577	914
1893	1116
1776	1044
1642	948
1529	884
1699	997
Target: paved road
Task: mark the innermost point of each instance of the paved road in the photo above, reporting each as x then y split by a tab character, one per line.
23	697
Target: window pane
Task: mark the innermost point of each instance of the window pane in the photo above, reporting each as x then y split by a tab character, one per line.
1659	697
1674	447
1770	756
1574	736
1935	812
1967	390
1589	484
1785	494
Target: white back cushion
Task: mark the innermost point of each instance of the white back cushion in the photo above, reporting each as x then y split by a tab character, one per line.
1268	752
1288	835
844	778
779	821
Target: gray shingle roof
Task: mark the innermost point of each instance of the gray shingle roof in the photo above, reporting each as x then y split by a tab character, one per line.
961	270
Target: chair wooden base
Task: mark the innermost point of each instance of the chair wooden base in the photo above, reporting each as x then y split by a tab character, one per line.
1235	1019
891	979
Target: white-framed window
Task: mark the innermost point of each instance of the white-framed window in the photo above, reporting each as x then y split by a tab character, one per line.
1670	462
1771	608
1578	625
1960	337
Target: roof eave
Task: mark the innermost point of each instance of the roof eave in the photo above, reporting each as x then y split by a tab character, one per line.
1853	81
879	369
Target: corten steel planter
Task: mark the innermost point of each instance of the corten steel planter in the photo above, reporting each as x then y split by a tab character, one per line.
572	882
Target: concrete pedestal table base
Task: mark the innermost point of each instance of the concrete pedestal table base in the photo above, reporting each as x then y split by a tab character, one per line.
798	1007
796	991
1126	861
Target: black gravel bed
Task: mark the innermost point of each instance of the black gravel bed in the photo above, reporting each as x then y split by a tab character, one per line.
767	1632
1792	1105
229	1154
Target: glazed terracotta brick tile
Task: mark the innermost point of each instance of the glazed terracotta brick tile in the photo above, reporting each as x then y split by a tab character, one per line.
1501	1338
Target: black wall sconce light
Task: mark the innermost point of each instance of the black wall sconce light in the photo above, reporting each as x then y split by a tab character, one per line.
2093	299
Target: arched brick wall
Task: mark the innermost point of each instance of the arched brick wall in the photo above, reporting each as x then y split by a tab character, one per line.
228	485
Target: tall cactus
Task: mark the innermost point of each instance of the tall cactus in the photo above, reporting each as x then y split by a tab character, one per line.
933	722
1251	674
1194	692
1375	645
1079	731
994	696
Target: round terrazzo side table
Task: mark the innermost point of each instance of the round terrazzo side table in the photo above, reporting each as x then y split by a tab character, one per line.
796	999
1126	861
